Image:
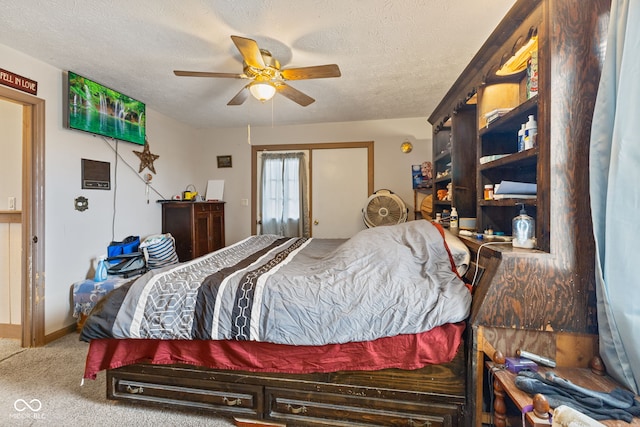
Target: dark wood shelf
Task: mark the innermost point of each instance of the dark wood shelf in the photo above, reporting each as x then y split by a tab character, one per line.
442	155
512	119
443	179
507	202
520	159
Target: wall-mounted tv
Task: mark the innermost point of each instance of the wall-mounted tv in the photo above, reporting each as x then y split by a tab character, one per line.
100	110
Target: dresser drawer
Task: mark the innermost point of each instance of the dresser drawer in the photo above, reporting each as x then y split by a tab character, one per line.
310	408
210	395
208	207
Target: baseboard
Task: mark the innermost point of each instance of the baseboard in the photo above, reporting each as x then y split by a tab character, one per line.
10	331
60	333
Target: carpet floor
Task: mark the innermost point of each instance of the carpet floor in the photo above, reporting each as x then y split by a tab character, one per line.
41	387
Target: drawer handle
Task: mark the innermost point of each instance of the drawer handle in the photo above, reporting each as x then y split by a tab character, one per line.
234	402
135	390
300	410
416	424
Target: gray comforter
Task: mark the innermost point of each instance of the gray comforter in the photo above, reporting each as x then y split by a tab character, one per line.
382	282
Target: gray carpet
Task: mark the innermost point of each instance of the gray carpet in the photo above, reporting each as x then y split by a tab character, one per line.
49	378
9	347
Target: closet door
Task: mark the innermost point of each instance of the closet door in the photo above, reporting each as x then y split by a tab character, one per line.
339	190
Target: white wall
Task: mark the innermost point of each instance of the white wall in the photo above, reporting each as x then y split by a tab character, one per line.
187	156
392	168
72	238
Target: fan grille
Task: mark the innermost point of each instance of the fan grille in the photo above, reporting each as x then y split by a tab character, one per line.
384	208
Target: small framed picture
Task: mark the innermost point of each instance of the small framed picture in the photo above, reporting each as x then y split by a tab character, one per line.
224	161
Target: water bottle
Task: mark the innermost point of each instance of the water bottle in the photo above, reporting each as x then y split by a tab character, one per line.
101	270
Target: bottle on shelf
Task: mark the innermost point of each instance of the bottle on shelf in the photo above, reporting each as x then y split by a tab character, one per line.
488	192
523	230
453	219
530	133
521	138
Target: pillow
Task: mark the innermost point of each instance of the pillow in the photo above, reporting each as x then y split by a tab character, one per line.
459	252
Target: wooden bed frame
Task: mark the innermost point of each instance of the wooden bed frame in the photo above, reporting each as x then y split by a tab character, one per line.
436	395
430	396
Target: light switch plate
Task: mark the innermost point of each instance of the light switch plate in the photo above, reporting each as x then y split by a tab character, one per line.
12	203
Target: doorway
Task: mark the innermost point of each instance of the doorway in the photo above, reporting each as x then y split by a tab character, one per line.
31	216
335	170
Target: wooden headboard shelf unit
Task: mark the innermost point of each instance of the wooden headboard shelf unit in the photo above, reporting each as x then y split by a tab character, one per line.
543	298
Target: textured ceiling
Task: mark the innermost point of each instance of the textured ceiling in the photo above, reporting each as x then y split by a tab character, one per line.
397	57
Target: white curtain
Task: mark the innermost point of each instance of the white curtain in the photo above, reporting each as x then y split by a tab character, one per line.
614	170
284	205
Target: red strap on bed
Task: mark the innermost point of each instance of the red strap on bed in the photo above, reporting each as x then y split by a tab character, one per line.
453	264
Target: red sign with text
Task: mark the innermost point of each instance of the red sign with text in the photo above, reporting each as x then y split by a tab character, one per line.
15	81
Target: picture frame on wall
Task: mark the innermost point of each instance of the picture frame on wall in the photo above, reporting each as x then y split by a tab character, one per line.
224	161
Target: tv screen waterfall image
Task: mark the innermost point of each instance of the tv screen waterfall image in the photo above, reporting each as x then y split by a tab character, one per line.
100	110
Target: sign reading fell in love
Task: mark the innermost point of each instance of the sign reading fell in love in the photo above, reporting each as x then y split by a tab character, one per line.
16	81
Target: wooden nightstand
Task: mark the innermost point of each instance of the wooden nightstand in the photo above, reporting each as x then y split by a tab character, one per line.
504	387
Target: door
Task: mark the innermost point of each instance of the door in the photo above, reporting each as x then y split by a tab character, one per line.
32	215
10	220
341	176
339	190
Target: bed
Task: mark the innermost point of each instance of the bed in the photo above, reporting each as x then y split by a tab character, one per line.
364	331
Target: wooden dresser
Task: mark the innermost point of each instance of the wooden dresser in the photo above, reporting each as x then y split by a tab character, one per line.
198	227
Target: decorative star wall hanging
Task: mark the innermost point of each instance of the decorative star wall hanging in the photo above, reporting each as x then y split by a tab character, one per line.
146	158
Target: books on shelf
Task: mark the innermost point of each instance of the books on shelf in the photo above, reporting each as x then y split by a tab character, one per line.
515	190
494	115
514	196
487	159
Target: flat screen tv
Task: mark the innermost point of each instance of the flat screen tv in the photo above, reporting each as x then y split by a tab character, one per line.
103	111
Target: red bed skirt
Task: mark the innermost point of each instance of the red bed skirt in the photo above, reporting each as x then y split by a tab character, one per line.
439	345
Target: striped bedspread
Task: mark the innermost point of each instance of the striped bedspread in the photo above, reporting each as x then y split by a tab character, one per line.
382	282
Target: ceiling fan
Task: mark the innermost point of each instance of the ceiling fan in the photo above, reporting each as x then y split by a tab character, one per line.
265	74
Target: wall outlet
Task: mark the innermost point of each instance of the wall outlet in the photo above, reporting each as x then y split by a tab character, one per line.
12	203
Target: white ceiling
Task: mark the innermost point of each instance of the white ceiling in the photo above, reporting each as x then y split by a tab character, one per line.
398	58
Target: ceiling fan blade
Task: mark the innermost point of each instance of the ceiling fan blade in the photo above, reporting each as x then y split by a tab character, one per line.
295	95
206	74
250	51
240	97
316	72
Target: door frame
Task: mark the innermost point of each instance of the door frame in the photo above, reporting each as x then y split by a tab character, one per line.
32	258
299	147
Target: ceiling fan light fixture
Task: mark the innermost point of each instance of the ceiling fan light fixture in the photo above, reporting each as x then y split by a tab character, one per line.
262	91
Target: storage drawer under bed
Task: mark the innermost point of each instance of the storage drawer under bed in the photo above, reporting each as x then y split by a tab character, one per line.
311	408
244	400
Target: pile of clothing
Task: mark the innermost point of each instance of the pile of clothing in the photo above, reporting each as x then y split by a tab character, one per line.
619	404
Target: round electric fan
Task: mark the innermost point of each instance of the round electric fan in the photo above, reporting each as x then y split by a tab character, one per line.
384	208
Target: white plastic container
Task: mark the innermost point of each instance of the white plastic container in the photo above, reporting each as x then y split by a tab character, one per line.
521	138
530	133
453	219
101	270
